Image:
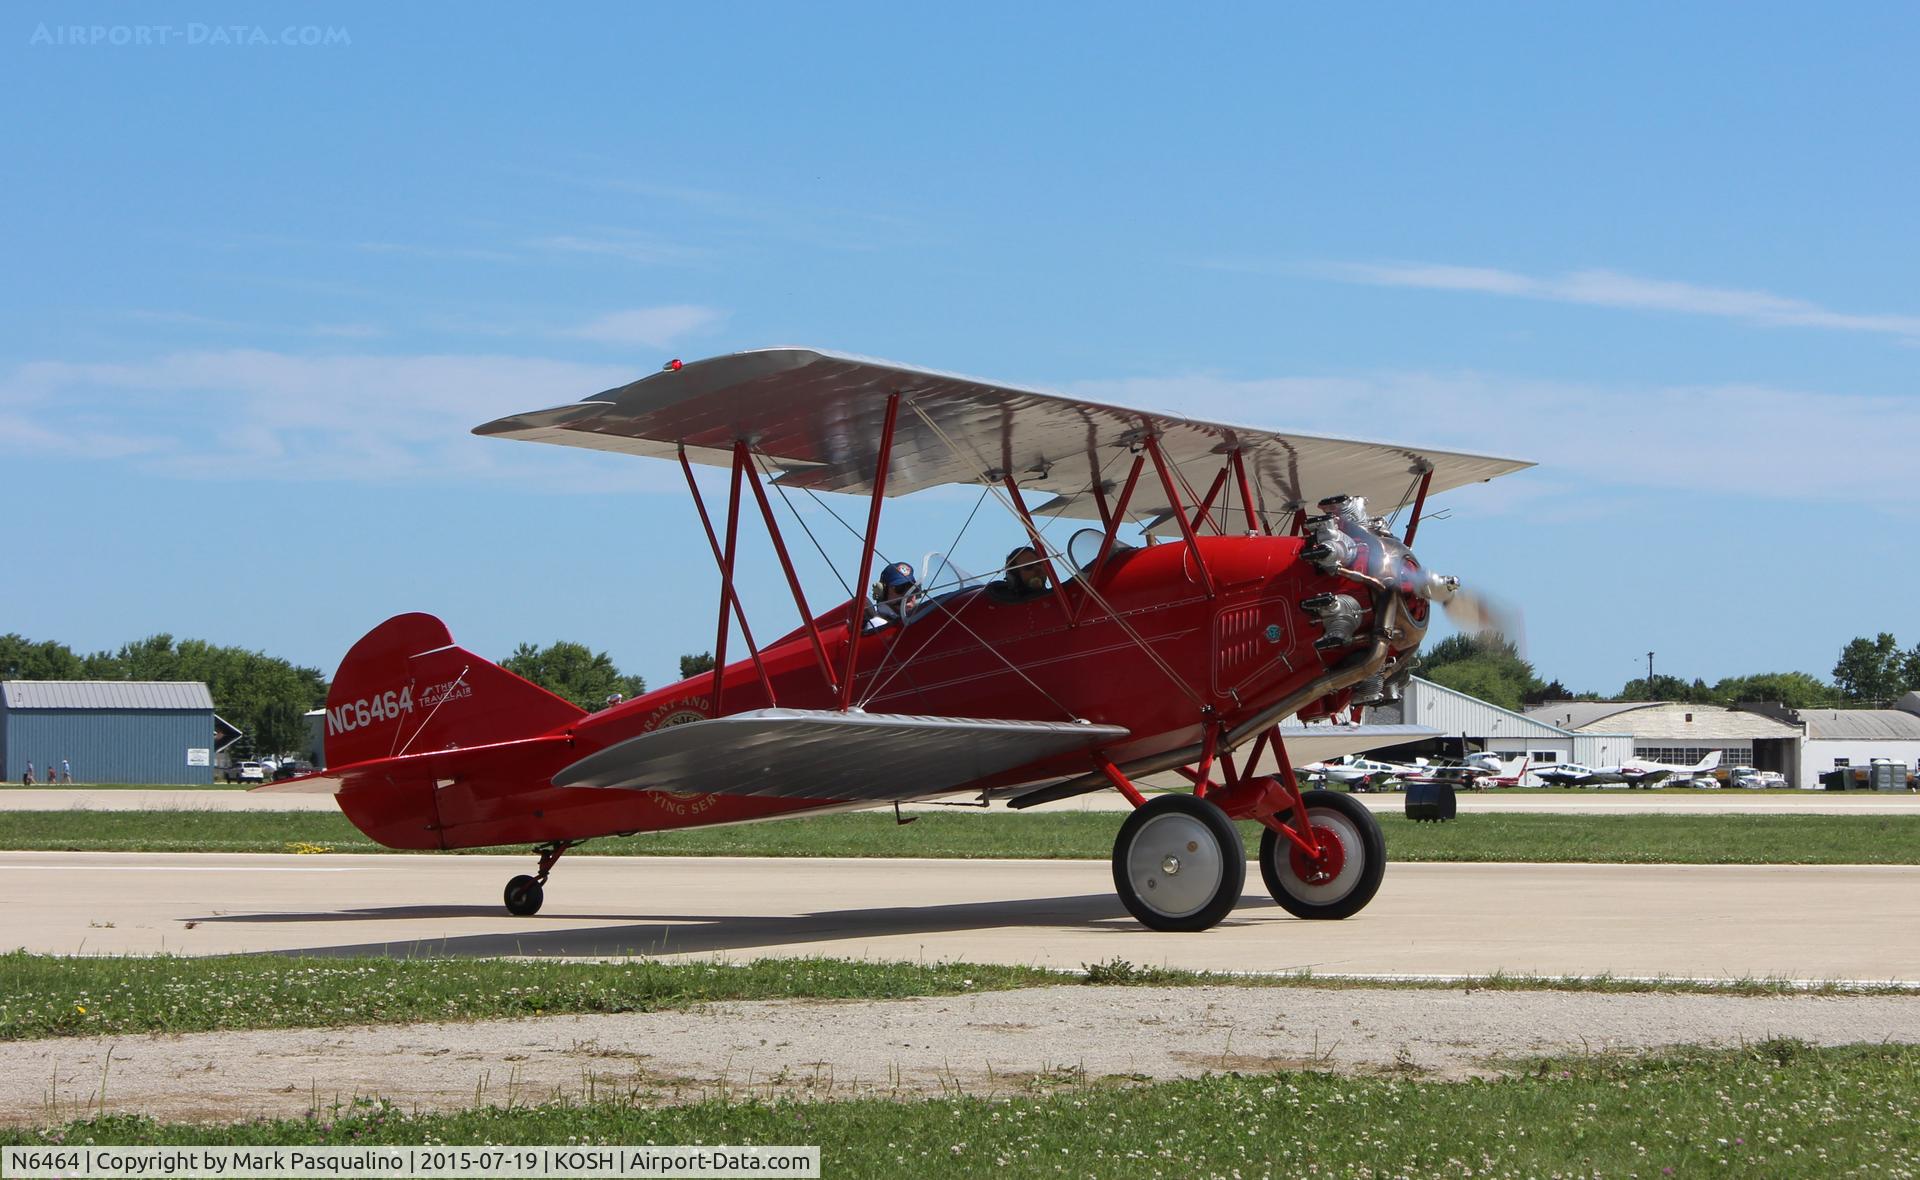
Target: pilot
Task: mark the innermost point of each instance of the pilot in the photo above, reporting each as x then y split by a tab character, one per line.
894	598
1027	574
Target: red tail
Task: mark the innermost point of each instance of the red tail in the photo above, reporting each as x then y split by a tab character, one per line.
406	689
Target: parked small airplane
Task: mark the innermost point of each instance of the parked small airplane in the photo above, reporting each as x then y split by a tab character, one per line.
1647	774
1572	774
1356	773
1478	770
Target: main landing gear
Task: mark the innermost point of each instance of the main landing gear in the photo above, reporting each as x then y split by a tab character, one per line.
1343	879
525	893
1178	863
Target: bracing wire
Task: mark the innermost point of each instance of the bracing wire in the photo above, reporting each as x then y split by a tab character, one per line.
802	522
1086	584
879	684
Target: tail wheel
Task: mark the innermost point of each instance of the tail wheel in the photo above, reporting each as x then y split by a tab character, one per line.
524	895
1178	864
1342	881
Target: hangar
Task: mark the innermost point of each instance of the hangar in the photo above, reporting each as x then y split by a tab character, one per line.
1470	723
1852	737
111	731
1678	733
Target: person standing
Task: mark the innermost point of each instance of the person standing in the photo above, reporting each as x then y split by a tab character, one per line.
66	772
26	780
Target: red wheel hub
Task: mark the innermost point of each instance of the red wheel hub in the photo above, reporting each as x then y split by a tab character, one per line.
1333	858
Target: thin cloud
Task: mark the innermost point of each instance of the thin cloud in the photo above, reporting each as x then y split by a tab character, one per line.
355	418
187	319
1744	440
628	247
1607	288
444	253
653	327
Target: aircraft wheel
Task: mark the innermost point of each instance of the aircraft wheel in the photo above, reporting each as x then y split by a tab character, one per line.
1340	885
1178	863
524	895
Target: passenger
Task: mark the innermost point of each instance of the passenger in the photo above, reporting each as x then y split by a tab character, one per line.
1027	573
894	599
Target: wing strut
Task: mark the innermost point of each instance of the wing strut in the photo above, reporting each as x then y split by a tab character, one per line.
1246	493
1039	547
1114	520
728	598
786	566
856	609
1180	513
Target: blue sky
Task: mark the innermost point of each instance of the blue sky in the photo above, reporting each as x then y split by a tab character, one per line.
256	294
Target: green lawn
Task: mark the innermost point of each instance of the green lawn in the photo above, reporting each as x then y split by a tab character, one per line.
1610	839
214	786
48	995
1778	1109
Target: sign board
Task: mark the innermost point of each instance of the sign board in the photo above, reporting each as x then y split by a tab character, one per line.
199	756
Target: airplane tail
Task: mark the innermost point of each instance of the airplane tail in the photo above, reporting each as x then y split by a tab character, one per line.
1710	762
405	688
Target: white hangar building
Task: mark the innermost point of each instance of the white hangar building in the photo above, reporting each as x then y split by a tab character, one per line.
1853	737
1681	734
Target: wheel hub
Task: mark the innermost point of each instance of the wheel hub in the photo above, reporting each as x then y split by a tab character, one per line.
1174	865
1332	858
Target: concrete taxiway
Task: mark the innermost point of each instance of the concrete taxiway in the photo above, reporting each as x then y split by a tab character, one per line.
1676	802
1799	922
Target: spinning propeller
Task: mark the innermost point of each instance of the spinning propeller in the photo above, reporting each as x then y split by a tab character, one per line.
1477	612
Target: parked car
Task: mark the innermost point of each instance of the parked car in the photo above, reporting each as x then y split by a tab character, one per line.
244	772
292	768
1758	780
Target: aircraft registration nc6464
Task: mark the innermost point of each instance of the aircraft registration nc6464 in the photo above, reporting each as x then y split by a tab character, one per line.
1262	588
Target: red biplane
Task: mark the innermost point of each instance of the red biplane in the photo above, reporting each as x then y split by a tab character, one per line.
1262	590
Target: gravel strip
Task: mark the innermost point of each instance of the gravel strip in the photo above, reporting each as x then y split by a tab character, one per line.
994	1043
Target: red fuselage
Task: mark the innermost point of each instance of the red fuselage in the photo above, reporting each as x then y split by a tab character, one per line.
1221	659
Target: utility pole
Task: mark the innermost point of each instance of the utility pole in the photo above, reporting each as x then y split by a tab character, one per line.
1649	675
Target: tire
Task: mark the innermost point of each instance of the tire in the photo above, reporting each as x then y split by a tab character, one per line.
1363	860
1178	864
524	895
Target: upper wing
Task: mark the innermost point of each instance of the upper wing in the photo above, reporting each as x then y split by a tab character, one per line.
808	754
818	416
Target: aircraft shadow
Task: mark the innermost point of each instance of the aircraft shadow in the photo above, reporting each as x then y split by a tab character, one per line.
663	934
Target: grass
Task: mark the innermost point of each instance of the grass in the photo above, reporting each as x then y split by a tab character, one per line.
216	785
1777	1109
51	996
55	996
1603	839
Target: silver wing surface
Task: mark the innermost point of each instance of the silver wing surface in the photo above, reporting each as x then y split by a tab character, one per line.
808	754
817	416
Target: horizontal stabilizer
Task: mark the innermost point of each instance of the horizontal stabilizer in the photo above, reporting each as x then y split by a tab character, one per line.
809	754
439	766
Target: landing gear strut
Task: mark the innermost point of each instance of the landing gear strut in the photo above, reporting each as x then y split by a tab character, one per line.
525	893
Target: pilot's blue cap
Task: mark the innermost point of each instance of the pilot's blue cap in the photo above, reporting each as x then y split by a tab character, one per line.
896	575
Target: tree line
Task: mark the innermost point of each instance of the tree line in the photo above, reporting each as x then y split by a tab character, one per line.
263	696
1868	671
267	698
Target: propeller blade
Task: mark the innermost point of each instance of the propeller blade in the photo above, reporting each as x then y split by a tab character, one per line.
1483	614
